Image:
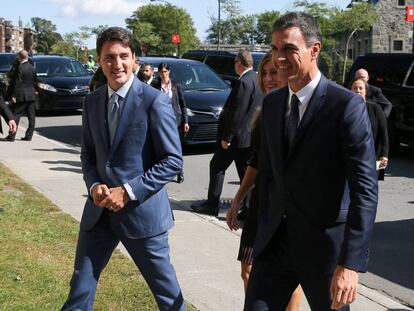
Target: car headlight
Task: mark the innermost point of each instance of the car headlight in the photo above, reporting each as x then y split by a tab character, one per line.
47	87
190	113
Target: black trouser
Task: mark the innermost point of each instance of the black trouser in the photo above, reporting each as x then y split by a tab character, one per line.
28	109
219	163
274	278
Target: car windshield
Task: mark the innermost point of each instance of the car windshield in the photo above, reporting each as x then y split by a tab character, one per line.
194	76
59	68
6	61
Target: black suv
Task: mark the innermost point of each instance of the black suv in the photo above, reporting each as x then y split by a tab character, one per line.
222	62
394	74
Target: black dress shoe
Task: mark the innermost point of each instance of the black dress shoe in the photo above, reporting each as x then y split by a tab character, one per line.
26	138
180	178
205	208
9	138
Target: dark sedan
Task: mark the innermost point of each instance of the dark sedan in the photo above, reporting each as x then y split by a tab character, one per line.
204	92
64	82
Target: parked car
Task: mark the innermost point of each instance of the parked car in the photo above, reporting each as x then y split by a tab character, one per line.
6	62
394	74
204	92
222	62
64	82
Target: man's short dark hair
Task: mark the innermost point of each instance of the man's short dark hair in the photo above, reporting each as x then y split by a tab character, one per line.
119	34
308	26
245	58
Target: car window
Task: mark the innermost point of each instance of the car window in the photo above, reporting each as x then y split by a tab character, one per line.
6	61
410	80
383	72
222	64
64	68
193	76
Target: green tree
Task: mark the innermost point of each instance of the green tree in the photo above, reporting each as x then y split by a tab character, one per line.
154	25
264	25
230	24
66	46
324	14
360	17
46	34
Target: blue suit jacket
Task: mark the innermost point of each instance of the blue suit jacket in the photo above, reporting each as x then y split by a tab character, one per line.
146	153
326	186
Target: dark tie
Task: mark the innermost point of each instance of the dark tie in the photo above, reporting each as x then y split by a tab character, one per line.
292	122
113	115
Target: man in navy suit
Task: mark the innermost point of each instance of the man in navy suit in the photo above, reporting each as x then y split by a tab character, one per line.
318	181
130	150
234	131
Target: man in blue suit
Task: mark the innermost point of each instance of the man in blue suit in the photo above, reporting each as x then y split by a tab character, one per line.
318	181
130	150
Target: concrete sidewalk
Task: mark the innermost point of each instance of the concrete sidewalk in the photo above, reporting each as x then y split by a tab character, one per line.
203	250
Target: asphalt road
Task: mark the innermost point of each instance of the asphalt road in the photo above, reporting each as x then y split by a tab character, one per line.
392	249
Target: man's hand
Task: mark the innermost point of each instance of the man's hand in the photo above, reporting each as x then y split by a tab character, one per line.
231	217
99	193
12	126
343	287
225	145
13	100
186	127
116	200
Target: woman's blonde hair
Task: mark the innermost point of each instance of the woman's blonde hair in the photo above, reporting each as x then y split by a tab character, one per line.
265	59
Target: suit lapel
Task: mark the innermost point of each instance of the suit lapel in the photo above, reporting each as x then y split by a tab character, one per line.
317	100
130	104
278	118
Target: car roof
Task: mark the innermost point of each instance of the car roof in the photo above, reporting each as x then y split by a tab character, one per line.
222	52
170	60
49	57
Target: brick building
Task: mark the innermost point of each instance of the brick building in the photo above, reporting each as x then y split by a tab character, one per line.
15	38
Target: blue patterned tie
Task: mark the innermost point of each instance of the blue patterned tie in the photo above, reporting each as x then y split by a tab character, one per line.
113	115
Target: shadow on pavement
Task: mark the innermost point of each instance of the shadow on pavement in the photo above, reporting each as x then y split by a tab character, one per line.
76	164
392	256
68	134
65	150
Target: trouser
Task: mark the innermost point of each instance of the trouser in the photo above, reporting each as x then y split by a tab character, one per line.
221	160
151	256
274	278
28	109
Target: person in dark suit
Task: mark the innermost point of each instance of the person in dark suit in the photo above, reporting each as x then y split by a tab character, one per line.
318	183
234	131
130	151
374	94
23	94
6	113
175	93
268	81
378	125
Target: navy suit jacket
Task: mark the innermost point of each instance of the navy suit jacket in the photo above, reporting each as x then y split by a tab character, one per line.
326	186
146	153
239	110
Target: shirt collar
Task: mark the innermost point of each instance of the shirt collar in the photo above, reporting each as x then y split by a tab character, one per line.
123	90
304	95
244	72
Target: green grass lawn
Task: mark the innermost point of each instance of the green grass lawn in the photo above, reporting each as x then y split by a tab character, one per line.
37	249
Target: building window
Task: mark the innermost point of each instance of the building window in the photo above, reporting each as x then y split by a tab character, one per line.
401	2
366	46
397	45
